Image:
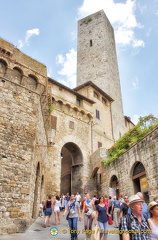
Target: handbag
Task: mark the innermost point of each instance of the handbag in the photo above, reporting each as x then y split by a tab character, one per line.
67	217
110	220
95	233
93	214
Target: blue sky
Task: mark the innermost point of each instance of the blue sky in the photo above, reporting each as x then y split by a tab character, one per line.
47	31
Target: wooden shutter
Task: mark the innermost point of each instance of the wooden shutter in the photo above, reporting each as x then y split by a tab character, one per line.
53	122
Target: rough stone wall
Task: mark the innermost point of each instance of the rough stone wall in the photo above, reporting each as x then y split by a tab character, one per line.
146	152
97	62
22	129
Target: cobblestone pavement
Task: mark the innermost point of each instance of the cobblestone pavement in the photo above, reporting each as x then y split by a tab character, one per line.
37	232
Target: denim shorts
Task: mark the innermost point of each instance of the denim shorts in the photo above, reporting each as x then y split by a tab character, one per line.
48	212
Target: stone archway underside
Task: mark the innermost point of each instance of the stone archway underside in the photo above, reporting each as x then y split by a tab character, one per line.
71	169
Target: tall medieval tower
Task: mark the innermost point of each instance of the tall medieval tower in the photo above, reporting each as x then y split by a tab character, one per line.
97	62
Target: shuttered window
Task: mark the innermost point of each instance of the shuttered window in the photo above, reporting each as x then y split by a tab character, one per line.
97	114
54	122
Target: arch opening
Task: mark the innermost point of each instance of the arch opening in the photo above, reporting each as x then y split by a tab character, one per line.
140	182
3	67
114	187
71	169
96	181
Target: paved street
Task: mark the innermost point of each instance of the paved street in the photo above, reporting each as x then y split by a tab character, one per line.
37	232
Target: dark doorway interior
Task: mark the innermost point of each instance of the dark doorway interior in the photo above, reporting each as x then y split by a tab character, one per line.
140	180
71	169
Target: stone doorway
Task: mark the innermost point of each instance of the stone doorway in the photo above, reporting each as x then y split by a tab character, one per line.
140	182
95	182
114	187
71	169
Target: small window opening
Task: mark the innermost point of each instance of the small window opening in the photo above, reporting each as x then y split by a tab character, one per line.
103	101
97	114
96	95
99	144
71	125
91	43
78	102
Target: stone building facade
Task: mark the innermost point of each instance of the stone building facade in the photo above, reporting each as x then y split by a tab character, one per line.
54	138
136	170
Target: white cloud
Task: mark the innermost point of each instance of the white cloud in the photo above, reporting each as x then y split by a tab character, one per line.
121	16
137	43
20	44
50	70
59	59
156	12
68	68
30	33
135	83
135	119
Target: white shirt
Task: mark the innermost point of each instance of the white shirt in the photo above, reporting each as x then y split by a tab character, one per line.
40	207
78	197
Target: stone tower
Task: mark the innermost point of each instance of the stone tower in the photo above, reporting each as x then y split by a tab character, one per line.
97	62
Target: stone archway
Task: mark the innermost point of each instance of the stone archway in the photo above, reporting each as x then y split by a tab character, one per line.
114	187
71	169
140	182
95	182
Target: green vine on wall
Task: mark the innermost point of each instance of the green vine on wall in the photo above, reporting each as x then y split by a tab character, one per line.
145	125
51	108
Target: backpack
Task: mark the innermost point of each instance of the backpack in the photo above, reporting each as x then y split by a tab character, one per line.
124	208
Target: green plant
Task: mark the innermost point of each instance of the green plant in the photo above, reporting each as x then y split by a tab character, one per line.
87	20
51	108
144	126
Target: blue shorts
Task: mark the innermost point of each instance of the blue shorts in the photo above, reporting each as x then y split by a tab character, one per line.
48	212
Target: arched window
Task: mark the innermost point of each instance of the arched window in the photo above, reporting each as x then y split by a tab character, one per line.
31	82
3	67
17	74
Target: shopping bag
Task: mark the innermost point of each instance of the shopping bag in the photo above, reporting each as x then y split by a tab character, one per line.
95	233
93	214
110	220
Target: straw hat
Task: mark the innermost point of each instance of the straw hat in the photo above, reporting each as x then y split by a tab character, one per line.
135	198
152	204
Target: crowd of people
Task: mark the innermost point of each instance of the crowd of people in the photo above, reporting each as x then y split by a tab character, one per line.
134	219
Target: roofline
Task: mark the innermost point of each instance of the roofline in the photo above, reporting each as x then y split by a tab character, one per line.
129	120
71	90
96	87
